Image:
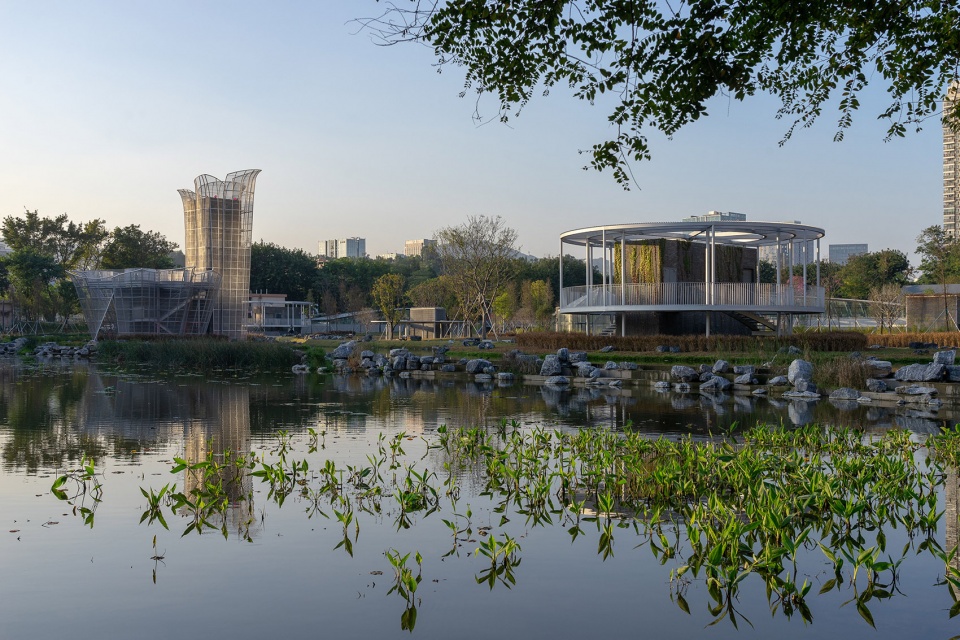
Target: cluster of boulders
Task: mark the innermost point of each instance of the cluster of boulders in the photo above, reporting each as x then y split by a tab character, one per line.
347	358
712	377
560	367
478	343
12	347
54	350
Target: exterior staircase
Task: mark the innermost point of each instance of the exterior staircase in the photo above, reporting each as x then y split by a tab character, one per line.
756	323
611	331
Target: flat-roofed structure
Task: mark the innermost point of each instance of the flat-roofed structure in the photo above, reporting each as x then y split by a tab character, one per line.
147	301
693	277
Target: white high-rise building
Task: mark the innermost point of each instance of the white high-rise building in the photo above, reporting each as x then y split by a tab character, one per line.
951	167
415	247
343	248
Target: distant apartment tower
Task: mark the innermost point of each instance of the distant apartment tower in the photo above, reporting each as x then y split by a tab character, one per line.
415	247
344	248
841	253
718	216
951	165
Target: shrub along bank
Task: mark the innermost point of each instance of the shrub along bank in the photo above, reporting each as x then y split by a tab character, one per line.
812	341
199	355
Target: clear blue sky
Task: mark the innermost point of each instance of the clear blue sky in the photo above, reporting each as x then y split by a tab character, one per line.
107	108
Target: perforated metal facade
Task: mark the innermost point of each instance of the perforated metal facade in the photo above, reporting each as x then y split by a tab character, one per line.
218	224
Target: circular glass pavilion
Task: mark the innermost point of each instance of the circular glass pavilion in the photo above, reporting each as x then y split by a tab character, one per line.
694	275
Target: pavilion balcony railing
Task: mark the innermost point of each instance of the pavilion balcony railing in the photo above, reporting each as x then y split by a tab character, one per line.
734	295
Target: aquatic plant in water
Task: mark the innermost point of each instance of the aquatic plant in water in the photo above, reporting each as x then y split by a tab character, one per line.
766	504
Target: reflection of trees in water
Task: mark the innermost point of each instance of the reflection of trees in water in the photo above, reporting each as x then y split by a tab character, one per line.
52	416
39	409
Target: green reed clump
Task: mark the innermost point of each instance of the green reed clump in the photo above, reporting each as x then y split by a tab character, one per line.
841	372
205	354
772	505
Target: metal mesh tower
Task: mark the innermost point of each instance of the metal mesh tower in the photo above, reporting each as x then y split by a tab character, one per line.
951	165
218	225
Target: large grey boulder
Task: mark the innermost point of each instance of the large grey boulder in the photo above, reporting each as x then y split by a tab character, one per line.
413	362
683	373
563	354
577	356
721	366
877	368
876	386
945	357
344	350
920	373
557	381
399	363
953	373
584	369
505	376
916	390
448	368
744	369
611	365
551	366
398	352
746	378
367	354
706	375
806	386
715	384
629	366
844	393
477	365
778	381
661	385
799	370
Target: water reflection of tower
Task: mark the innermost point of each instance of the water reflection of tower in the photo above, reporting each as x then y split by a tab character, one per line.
952	498
219	427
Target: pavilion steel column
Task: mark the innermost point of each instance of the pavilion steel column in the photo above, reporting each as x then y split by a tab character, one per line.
603	272
806	254
589	280
560	293
779	300
623	283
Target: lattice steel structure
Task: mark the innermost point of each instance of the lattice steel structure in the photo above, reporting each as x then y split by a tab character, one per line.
951	167
218	221
147	301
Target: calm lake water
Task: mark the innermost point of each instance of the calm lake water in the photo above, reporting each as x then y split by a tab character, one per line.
284	570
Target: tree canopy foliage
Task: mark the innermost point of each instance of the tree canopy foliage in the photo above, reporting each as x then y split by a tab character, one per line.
276	269
131	247
868	271
478	256
661	63
67	243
